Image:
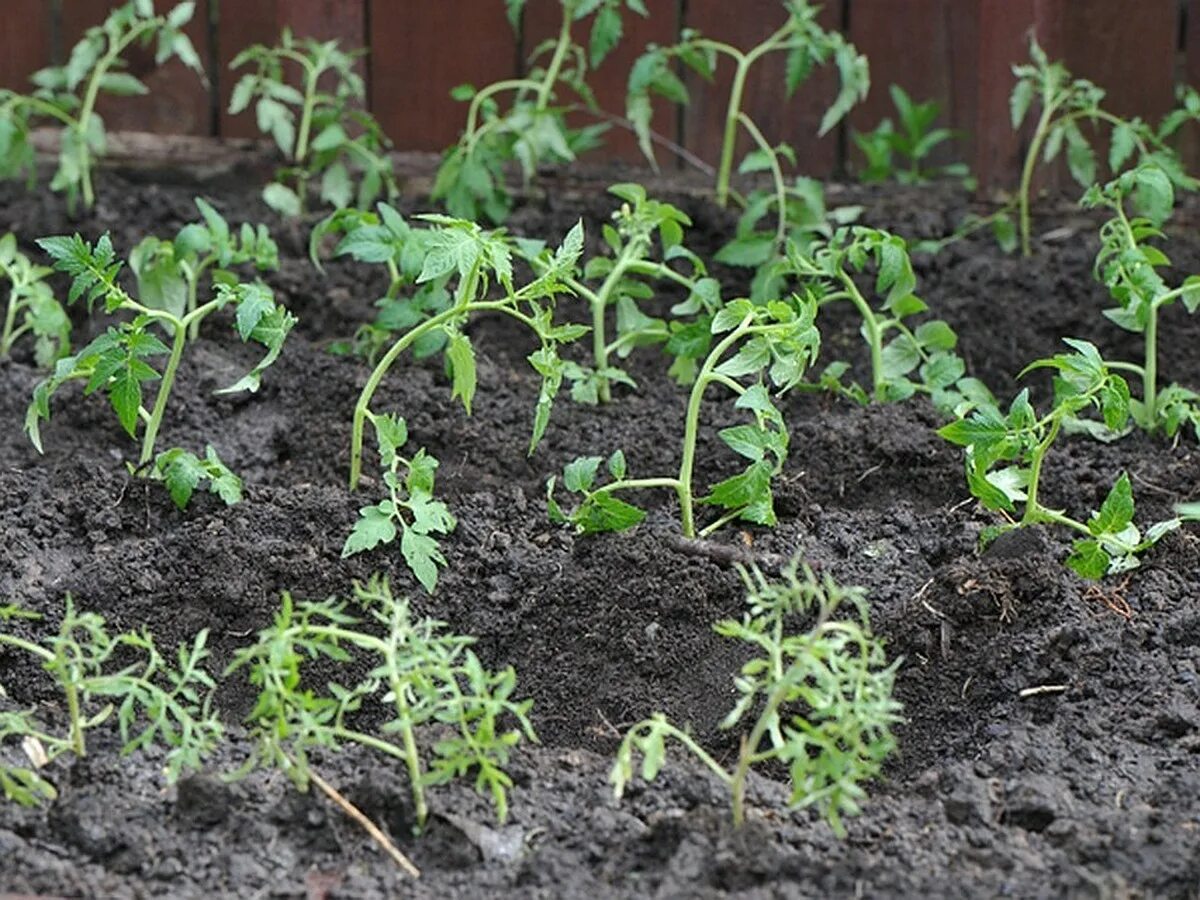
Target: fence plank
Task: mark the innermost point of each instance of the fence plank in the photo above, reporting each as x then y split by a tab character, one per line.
28	48
261	22
875	29
795	121
421	51
178	102
542	20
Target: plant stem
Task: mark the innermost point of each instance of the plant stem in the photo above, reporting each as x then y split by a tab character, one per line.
7	338
178	342
370	827
1033	509
750	745
556	62
776	177
872	331
1035	148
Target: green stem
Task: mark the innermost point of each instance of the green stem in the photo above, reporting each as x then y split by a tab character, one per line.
1150	371
178	342
1034	512
776	177
600	302
311	74
749	746
462	306
412	759
7	338
872	331
556	62
1035	148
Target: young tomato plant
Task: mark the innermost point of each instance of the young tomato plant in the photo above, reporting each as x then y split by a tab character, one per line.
67	95
807	45
385	238
1065	103
533	130
477	257
773	343
332	139
169	272
1128	266
899	153
818	703
627	276
32	307
925	351
116	362
409	510
99	674
1005	454
419	675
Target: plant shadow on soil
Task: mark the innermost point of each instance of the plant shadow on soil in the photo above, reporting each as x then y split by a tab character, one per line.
1090	791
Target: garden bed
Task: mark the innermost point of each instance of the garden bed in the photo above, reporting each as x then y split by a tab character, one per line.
1089	787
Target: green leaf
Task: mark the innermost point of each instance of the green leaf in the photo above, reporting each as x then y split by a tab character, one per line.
602	513
461	356
580	475
375	526
1116	512
1020	101
283	200
1088	559
423	556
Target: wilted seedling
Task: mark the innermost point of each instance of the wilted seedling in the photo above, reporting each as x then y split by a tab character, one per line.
480	259
773	344
117	363
425	679
67	95
99	674
322	134
1005	453
818	702
32	307
534	129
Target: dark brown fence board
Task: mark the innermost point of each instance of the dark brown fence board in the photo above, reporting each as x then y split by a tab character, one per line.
542	20
421	51
794	120
178	101
918	57
25	49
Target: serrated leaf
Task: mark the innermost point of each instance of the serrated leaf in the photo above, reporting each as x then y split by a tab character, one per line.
375	526
580	474
461	356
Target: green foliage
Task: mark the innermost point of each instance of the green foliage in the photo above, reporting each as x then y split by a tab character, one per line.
818	703
1066	103
118	362
802	38
771	344
906	358
66	95
409	510
32	307
385	238
532	130
419	675
182	472
169	272
1005	453
323	134
897	152
478	260
99	674
1128	265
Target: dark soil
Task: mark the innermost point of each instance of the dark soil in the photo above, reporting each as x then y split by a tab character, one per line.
1090	791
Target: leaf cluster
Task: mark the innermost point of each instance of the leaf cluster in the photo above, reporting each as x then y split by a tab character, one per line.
155	701
898	152
32	307
425	679
817	701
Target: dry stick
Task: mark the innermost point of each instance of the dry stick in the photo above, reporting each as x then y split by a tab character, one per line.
371	828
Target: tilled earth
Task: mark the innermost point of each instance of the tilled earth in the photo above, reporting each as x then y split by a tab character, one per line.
1090	789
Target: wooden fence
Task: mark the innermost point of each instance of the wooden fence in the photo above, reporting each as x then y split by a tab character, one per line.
957	52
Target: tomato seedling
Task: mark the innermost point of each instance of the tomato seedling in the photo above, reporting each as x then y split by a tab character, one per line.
1128	265
116	362
773	343
898	152
330	138
420	676
99	674
480	258
807	45
32	307
817	703
534	129
67	95
1005	453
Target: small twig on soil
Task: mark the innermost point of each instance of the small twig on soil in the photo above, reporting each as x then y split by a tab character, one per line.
1043	689
868	473
371	828
725	553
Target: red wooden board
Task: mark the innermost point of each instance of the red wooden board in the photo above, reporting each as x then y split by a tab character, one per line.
178	102
261	22
794	120
925	75
421	51
28	48
609	82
